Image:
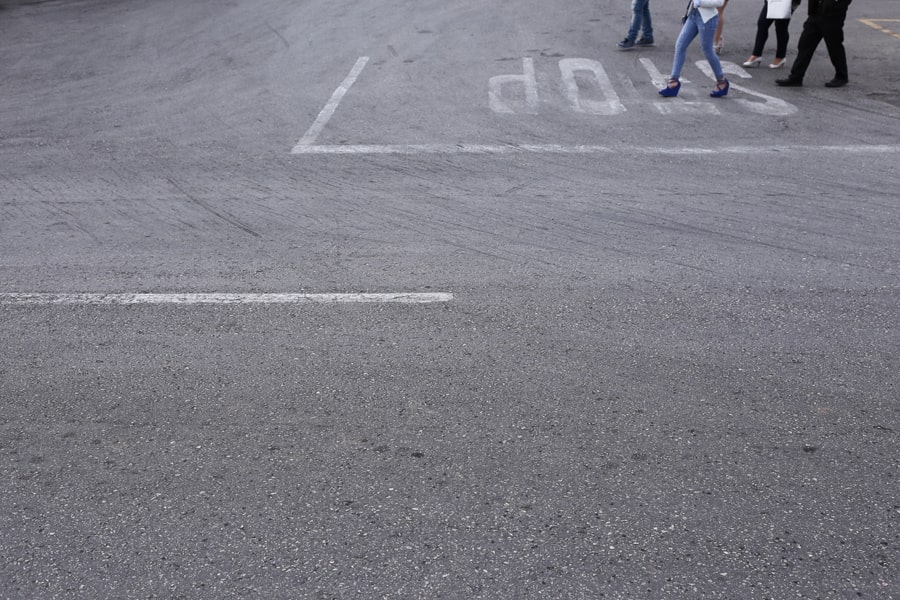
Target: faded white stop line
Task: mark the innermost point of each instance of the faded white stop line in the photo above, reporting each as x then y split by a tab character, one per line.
351	149
222	298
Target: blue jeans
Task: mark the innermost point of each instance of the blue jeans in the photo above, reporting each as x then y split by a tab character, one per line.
640	18
693	26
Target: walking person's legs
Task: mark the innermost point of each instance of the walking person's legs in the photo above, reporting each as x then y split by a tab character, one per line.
834	42
640	21
688	32
647	24
806	47
762	33
637	16
782	37
707	33
719	38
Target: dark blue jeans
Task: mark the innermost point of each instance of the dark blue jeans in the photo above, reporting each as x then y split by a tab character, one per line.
693	27
640	20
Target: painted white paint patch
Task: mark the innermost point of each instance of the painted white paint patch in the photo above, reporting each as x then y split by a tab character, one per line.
221	298
677	105
610	105
656	77
325	115
500	104
770	105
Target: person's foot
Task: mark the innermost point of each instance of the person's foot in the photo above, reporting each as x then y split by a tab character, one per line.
644	42
789	82
626	44
837	82
671	89
721	90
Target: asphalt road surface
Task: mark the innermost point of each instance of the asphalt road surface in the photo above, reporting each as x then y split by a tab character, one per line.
419	299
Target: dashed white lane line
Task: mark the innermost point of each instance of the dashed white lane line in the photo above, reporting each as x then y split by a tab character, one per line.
580	149
325	115
221	298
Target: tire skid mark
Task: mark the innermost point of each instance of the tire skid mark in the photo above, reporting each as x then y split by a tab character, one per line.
230	219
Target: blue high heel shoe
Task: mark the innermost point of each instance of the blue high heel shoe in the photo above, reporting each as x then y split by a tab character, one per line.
669	91
720	91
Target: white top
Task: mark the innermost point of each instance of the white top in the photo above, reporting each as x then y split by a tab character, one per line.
708	10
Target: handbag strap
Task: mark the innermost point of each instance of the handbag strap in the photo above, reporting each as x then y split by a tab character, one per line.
687	11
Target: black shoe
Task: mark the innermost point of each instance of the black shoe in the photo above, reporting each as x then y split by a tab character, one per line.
789	82
837	82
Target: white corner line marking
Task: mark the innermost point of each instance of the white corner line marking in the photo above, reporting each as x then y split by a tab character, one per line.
221	298
325	115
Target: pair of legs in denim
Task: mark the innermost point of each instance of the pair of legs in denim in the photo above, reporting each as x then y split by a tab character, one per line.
693	27
640	21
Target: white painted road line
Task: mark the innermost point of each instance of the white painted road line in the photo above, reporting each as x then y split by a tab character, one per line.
325	115
449	149
220	298
610	105
581	149
528	80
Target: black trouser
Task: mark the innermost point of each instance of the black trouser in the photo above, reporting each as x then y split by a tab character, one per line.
831	29
762	33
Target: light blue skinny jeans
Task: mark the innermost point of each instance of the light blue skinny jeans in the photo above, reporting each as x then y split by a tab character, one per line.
640	20
693	26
